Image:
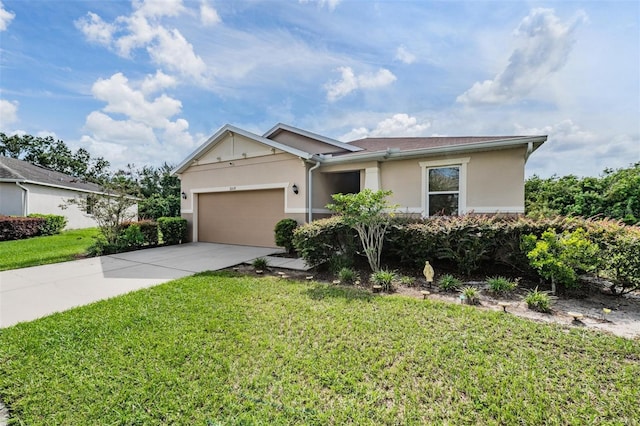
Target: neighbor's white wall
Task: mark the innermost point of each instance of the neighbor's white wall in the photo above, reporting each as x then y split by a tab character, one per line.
47	200
10	199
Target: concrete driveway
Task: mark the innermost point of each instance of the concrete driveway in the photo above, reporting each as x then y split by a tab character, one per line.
30	293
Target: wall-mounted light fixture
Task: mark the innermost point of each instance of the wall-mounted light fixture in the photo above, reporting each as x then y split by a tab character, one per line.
184	195
295	188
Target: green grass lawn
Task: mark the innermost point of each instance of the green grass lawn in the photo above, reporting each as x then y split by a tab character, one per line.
218	349
43	250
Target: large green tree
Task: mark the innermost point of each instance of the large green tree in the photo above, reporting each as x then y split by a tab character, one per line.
55	155
161	192
615	194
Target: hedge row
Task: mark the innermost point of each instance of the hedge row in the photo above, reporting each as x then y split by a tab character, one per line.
471	242
18	228
145	233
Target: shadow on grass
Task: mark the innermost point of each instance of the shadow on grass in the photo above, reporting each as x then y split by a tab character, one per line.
324	291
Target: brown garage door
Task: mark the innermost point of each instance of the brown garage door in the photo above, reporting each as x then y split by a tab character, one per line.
243	217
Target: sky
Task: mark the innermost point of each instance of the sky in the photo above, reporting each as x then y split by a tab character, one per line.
145	82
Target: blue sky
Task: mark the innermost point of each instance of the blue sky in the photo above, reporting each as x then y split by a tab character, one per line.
145	82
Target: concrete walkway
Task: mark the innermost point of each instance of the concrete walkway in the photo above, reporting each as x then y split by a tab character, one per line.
30	293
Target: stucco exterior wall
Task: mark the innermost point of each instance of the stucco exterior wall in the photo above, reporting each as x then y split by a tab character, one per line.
11	197
47	200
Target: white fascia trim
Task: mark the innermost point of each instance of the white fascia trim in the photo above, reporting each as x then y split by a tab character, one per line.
311	135
494	210
229	128
392	154
50	185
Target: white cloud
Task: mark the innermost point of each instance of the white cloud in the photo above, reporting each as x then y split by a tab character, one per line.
157	82
134	125
143	29
350	82
403	55
395	126
159	8
121	132
544	48
331	4
174	51
95	29
5	17
121	98
208	15
8	113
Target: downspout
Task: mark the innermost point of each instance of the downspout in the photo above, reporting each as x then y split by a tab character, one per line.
310	192
529	151
25	202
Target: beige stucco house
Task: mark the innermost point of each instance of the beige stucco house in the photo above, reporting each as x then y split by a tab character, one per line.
237	185
26	189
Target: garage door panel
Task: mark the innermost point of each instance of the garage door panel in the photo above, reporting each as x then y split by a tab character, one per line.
242	217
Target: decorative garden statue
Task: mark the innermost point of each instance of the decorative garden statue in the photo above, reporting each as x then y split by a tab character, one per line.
428	272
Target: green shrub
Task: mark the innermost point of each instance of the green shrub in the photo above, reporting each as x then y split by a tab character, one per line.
284	234
130	238
53	223
149	229
101	247
173	230
622	261
501	284
321	240
407	281
260	263
384	278
471	295
448	282
347	275
538	301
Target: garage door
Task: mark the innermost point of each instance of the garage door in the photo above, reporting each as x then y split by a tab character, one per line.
243	217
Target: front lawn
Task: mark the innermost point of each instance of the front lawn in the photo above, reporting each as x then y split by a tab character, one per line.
218	349
62	247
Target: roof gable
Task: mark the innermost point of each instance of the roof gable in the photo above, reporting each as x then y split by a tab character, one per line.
14	170
248	139
320	144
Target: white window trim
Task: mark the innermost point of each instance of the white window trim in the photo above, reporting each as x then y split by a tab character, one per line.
462	188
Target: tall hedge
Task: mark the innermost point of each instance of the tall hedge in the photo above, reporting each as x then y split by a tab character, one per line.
173	230
18	228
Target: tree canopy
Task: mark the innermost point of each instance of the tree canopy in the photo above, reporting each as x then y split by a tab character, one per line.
615	194
55	155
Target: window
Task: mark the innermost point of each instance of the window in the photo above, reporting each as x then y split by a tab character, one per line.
444	186
443	191
91	202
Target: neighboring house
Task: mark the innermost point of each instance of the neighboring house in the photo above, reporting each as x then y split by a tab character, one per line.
26	189
238	185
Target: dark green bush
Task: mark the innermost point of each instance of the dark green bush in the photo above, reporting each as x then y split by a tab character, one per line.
149	229
18	228
173	230
321	240
284	233
53	223
130	238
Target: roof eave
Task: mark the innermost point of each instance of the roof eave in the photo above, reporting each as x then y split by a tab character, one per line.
311	135
390	154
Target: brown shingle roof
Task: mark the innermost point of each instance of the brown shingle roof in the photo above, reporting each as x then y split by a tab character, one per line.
12	169
407	144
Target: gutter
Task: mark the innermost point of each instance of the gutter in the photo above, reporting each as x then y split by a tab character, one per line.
391	154
25	199
310	191
529	151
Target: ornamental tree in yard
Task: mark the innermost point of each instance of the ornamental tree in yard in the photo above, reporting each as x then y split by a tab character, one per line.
365	212
560	258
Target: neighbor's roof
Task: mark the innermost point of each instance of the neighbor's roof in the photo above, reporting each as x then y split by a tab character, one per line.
14	170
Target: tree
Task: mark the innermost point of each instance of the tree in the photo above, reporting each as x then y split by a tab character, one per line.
161	192
616	195
365	212
560	258
55	155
